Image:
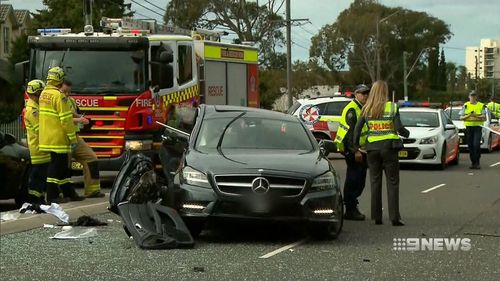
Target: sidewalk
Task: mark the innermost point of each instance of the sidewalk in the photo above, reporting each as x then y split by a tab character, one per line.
89	207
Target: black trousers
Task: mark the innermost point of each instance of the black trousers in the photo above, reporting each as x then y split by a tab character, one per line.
386	160
37	182
474	134
355	180
58	177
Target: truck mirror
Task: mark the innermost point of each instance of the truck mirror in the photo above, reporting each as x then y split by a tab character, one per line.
21	72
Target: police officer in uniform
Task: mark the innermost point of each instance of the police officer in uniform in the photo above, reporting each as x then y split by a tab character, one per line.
473	114
39	159
494	107
356	160
383	143
58	137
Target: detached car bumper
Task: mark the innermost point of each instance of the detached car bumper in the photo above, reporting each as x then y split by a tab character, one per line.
198	203
420	154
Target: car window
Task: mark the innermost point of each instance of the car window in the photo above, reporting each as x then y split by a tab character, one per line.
253	133
419	119
335	108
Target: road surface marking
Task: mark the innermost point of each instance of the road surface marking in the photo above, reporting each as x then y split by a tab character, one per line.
496	164
434	187
282	249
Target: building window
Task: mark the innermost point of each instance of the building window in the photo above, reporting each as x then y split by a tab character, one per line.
6	40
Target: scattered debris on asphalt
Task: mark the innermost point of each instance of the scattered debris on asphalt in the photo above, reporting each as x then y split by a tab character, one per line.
9	216
69	232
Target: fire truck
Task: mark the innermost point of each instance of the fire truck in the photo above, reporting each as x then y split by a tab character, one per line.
129	76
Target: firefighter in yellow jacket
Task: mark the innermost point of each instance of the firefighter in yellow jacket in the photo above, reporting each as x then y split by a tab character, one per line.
58	137
39	159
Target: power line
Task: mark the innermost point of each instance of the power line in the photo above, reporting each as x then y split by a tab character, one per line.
156	6
147	8
298	45
301	27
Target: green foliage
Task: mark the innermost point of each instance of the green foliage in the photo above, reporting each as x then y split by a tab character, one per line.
433	69
20	50
69	14
271	82
351	41
260	24
441	77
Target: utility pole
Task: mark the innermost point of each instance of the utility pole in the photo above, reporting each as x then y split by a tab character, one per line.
289	54
405	75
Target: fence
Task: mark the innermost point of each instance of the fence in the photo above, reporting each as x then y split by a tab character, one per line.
15	128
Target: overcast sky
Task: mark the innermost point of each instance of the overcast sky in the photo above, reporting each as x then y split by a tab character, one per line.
469	21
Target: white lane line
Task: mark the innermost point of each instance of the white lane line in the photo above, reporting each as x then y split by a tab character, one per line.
282	249
434	187
496	164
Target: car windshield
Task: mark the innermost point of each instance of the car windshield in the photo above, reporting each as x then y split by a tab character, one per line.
419	119
95	72
455	113
251	132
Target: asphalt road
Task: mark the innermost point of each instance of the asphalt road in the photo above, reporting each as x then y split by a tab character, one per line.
455	203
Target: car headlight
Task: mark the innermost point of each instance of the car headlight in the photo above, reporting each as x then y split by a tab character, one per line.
430	140
139	144
324	182
194	177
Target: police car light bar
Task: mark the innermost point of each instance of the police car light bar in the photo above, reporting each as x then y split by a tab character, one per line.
53	31
419	104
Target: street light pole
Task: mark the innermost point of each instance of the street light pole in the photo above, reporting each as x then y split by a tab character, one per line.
289	54
378	41
406	73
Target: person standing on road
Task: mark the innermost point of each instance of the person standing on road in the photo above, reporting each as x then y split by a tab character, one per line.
473	114
383	143
58	137
355	178
494	107
83	153
39	159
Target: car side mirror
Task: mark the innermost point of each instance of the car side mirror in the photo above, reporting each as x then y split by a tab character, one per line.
9	139
327	147
450	127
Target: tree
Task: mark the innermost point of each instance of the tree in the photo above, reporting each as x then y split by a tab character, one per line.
250	22
20	50
433	69
69	14
441	77
351	40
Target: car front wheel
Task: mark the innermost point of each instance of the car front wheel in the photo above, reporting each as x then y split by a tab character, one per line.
329	230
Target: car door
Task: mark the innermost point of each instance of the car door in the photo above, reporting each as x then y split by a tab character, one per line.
451	136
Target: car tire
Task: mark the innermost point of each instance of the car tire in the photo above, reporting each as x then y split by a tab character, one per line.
22	192
195	227
329	230
442	165
456	161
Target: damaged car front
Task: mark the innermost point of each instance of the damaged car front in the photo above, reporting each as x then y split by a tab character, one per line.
250	164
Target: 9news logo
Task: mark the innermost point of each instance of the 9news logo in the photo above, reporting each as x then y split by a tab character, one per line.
431	244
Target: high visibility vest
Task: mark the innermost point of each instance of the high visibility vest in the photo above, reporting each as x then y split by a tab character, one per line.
494	108
382	128
31	116
57	131
344	127
477	109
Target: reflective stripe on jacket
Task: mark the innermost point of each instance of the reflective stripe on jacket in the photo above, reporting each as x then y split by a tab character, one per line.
32	128
383	128
57	131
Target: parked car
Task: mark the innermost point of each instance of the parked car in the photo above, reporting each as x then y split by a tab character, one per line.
328	111
489	140
252	164
433	137
14	169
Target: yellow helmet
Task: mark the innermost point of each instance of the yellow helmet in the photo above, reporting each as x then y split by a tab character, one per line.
35	87
56	74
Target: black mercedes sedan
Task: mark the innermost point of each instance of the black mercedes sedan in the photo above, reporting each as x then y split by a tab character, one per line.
252	164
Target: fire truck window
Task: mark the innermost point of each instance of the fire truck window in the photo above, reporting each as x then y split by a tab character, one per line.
185	64
161	73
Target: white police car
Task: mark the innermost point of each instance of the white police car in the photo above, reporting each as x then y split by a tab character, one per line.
321	115
489	140
433	137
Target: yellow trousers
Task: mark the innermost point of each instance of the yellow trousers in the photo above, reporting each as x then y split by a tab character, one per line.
87	157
